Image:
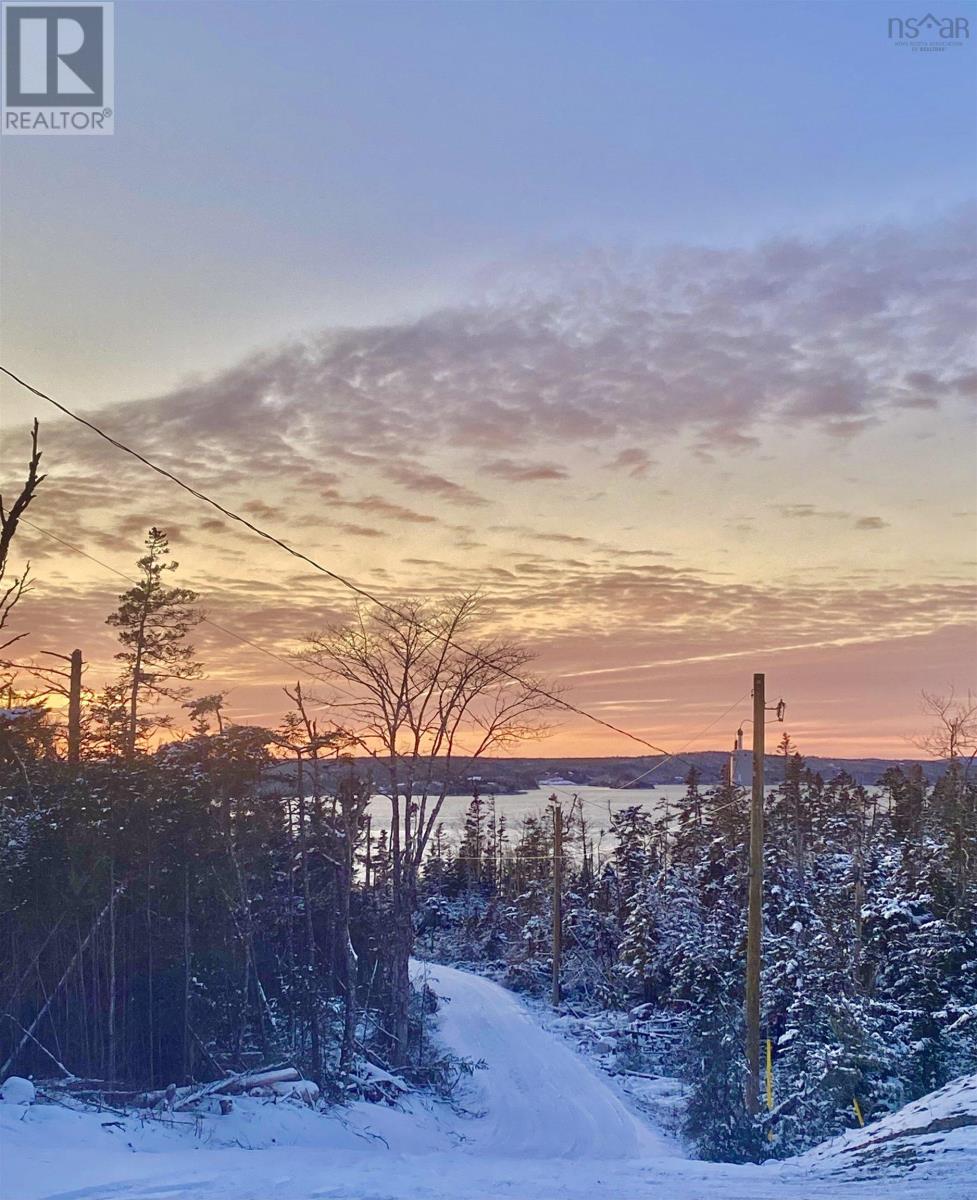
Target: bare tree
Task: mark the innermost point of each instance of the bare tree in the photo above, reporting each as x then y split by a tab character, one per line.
954	732
426	709
11	592
953	737
31	720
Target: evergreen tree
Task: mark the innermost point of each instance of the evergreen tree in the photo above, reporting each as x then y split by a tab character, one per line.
153	621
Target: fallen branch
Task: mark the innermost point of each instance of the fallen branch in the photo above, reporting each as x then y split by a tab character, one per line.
57	1062
235	1083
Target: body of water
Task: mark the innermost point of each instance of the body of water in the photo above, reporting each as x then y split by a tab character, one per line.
598	804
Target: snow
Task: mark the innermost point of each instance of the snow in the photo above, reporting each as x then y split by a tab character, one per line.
536	1122
368	1070
936	1135
301	1089
543	1101
15	1090
606	1037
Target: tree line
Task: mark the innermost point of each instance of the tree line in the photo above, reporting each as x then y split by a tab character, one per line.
869	982
172	904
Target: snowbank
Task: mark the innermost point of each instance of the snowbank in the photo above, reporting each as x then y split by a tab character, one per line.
15	1090
934	1137
544	1125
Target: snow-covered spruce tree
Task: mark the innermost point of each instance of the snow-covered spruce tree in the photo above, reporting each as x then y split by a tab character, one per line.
696	959
472	862
634	858
692	824
591	946
829	1042
706	981
527	909
638	948
921	964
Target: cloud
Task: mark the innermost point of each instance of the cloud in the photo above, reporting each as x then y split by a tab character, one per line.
639	615
795	512
834	333
526	531
418	480
386	508
700	347
616	552
523	472
364	531
634	460
616	628
262	511
563	539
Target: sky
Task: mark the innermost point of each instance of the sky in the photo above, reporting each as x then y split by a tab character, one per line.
653	322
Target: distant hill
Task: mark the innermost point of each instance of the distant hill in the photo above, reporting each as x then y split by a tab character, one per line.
508	775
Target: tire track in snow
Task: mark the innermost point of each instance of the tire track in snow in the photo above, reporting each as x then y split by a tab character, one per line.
540	1099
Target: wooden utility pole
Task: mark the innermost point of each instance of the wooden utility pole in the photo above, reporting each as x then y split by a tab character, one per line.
557	897
74	708
369	850
754	931
73	676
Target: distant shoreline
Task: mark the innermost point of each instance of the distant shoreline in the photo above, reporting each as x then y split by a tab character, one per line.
511	776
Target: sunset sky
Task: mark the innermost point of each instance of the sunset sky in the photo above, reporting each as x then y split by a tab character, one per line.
654	322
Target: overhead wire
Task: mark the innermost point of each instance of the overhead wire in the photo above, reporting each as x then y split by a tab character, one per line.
350	585
286	661
575	797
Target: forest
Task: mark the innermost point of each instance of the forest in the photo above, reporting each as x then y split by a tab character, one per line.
173	907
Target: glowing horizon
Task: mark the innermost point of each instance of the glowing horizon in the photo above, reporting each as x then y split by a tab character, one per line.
580	323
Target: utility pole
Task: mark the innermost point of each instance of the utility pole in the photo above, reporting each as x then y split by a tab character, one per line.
557	897
73	676
369	848
754	931
74	708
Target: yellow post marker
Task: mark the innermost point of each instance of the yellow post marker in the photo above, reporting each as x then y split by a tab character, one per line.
858	1112
769	1075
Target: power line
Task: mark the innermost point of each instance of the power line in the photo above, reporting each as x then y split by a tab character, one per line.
204	620
298	663
364	593
702	732
301	666
574	797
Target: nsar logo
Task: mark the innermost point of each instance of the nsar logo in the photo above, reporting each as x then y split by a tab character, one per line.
929	32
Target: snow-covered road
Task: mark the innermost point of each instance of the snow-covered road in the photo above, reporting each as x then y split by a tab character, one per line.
540	1099
541	1125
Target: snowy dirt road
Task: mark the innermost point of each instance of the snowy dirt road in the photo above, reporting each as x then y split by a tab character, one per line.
538	1124
539	1098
